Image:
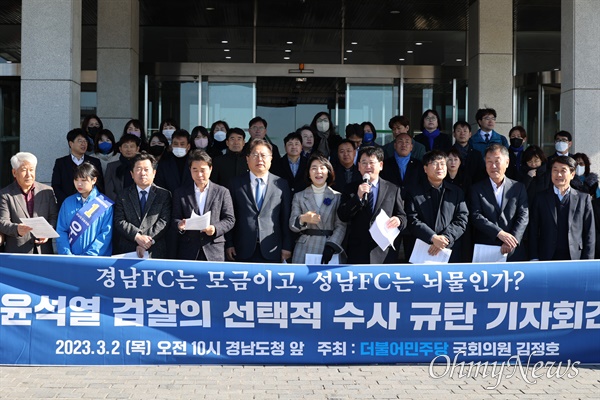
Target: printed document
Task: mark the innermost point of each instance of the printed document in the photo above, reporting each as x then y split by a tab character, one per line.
421	256
383	236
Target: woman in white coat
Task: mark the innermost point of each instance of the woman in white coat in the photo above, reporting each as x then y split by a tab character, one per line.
314	215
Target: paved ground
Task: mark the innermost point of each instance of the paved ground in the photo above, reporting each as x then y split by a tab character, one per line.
269	382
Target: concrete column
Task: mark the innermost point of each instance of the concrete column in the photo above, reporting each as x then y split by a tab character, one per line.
118	63
50	79
491	60
580	69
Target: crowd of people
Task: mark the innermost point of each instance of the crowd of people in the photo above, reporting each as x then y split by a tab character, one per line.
314	201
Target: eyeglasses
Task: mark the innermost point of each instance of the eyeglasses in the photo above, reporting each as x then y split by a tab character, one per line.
561	140
256	156
369	163
437	164
431	119
489	118
257	129
323	120
80	141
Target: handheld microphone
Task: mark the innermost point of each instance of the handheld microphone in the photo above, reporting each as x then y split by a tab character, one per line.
366	179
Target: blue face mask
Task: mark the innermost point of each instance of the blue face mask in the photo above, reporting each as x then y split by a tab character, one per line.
105	147
368	138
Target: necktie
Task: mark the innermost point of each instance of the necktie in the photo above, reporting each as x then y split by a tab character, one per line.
371	199
143	201
487	137
258	195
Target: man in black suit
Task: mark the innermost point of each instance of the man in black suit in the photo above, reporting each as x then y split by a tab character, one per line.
262	203
201	197
471	160
562	219
437	211
62	174
563	141
402	169
346	172
174	171
363	202
498	206
142	212
258	130
292	166
233	162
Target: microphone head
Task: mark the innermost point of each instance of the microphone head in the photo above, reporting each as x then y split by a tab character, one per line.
366	177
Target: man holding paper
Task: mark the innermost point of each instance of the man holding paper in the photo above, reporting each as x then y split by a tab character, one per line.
142	212
498	206
204	241
361	205
437	212
26	198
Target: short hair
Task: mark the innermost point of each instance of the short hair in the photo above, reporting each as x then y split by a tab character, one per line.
370	151
137	124
370	125
214	125
306	128
86	170
347	141
181	133
586	161
565	134
453	151
199	155
236	131
168	121
255	120
73	133
198	130
463	124
128	137
566	160
143	156
108	134
434	155
258	142
398	119
425	116
533	151
22	157
323	160
161	137
87	119
497	147
292	135
354	130
519	128
482	112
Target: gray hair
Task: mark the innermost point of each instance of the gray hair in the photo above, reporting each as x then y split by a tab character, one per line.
18	159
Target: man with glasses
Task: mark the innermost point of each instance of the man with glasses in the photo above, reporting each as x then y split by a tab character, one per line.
257	127
486	135
562	144
437	211
62	174
262	203
361	205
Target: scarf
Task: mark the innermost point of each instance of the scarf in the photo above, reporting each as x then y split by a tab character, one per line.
431	136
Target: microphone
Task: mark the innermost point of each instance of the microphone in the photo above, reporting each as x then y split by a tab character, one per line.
366	179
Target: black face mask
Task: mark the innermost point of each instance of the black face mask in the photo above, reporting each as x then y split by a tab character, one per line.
93	131
157	150
515	143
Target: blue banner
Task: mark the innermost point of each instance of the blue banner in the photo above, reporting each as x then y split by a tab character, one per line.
70	310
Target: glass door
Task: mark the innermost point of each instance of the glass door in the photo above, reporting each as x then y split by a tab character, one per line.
549	116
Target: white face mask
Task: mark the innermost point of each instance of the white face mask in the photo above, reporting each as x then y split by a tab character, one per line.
323	126
168	134
201	143
579	170
220	136
561	146
179	152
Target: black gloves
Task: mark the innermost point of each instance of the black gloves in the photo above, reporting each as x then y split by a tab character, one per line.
327	254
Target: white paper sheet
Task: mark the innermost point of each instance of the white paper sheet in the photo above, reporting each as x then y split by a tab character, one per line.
133	254
421	256
313	259
383	236
197	222
485	253
41	228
